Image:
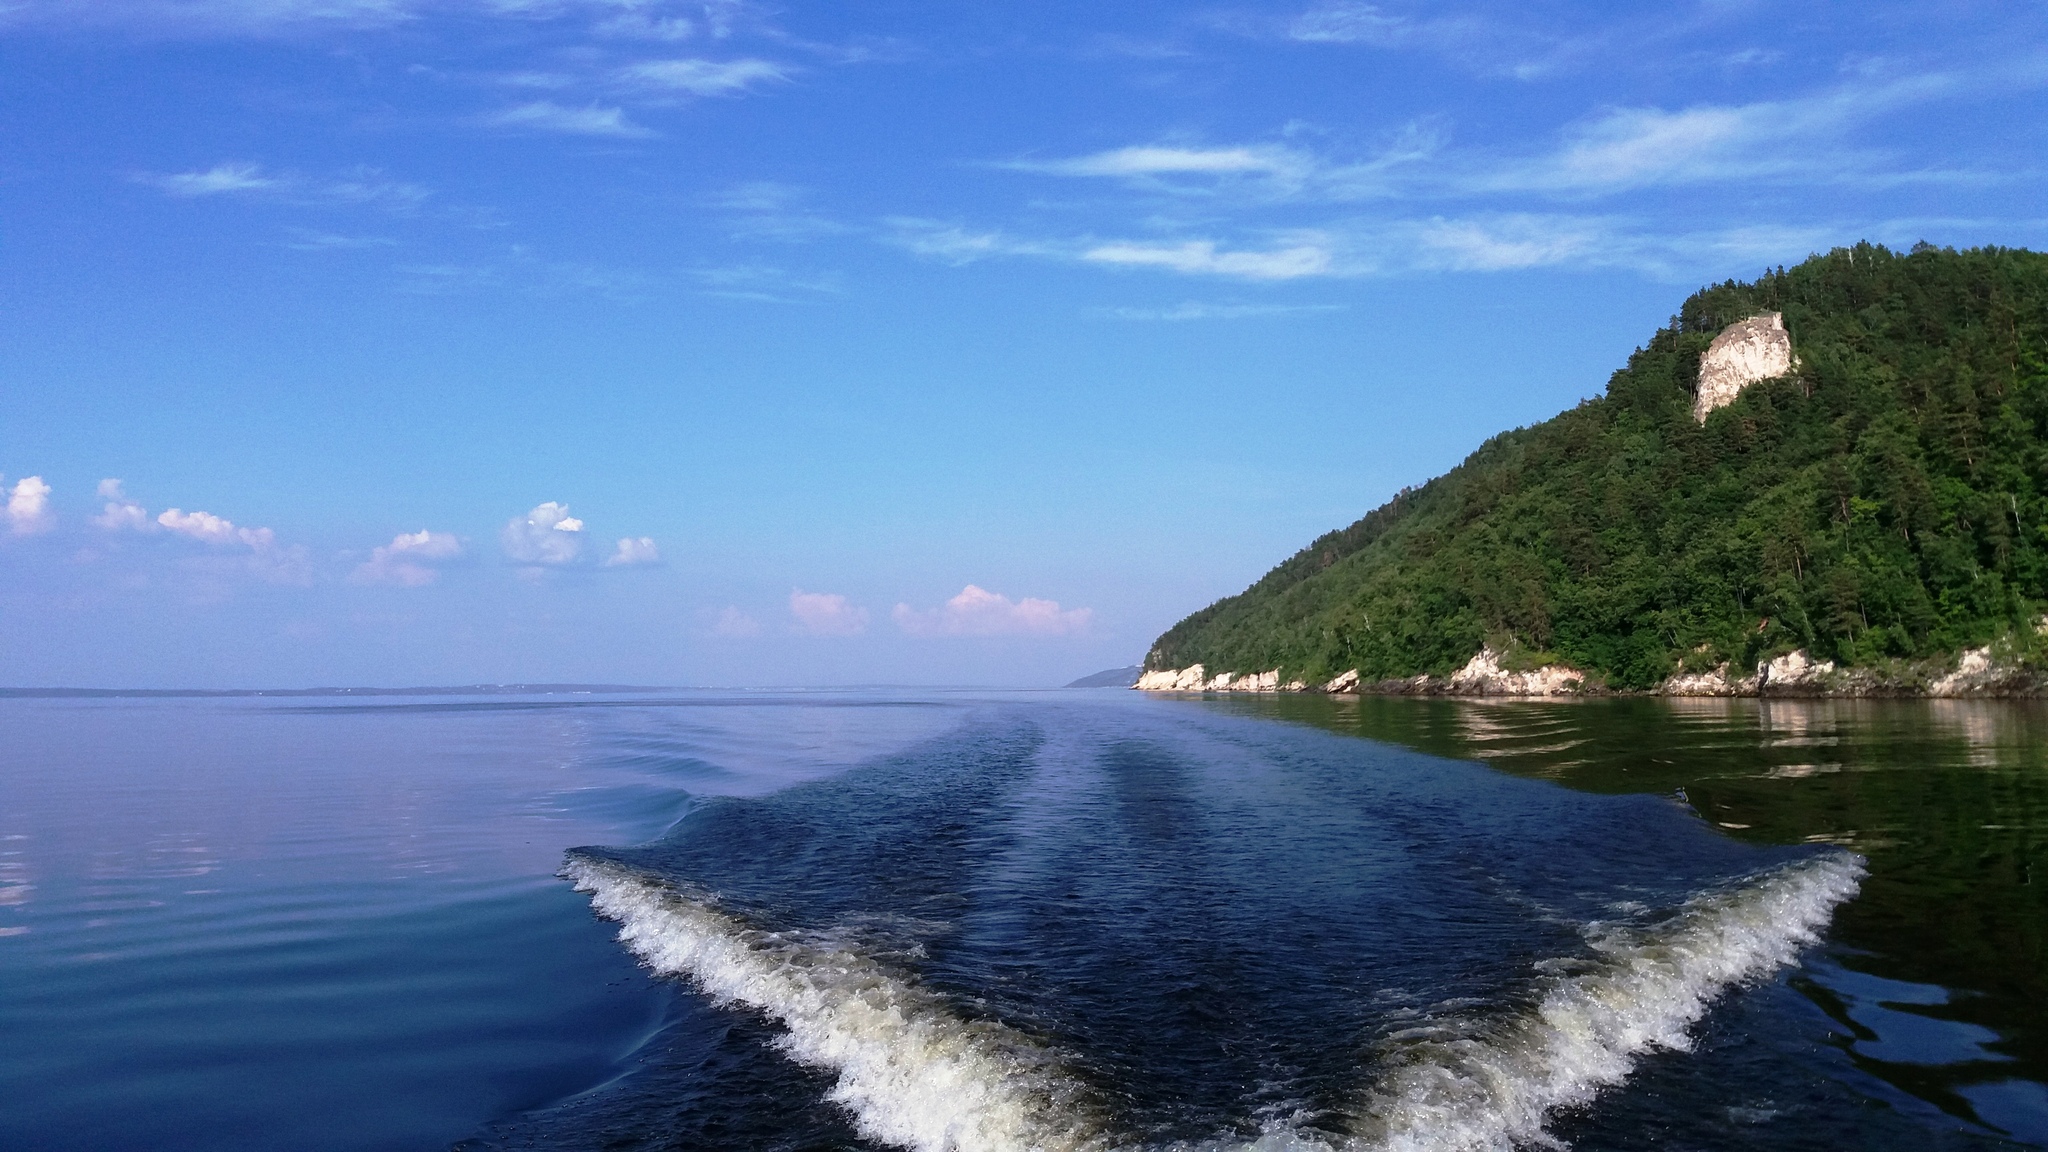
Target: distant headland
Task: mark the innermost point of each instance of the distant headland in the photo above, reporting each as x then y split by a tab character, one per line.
1830	481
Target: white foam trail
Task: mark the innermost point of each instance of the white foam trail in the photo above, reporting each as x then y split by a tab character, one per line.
912	1072
1488	1086
915	1074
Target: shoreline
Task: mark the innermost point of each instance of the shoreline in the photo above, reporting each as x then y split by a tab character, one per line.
1974	674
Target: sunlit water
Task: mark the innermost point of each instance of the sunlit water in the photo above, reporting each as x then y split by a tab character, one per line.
1079	920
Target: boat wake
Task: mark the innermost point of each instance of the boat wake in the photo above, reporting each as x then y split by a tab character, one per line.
914	1072
911	1071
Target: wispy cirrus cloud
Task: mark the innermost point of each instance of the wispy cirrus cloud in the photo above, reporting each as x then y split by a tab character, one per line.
1207	258
661	20
1255	171
243	179
589	120
1479	43
1139	160
957	244
766	283
979	612
217	180
770	210
1800	140
697	77
214	18
313	240
1196	310
1295	257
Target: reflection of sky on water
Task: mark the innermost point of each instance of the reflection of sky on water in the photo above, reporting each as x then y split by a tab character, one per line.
339	925
2020	1107
1905	1036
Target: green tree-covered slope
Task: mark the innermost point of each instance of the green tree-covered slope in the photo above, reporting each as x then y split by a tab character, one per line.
1887	500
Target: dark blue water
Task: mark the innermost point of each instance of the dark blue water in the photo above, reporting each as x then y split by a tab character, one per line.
1080	920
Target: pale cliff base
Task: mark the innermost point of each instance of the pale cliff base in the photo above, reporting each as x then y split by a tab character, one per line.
1975	672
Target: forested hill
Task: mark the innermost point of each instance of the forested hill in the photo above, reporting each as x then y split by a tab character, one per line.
1886	500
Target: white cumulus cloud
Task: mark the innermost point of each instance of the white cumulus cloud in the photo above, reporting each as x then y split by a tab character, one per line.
120	512
28	507
409	560
265	559
211	529
978	612
827	614
634	550
546	535
702	77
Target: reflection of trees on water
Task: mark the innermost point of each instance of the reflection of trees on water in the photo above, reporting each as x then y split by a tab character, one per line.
1947	798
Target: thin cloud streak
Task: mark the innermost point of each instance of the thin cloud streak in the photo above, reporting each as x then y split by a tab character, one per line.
1194	310
590	120
702	77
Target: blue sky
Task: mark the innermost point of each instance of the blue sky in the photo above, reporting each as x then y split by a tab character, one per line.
441	341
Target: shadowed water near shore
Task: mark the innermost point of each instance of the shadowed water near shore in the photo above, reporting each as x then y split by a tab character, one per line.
1942	977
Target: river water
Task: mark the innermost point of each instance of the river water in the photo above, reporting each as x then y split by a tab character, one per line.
1080	919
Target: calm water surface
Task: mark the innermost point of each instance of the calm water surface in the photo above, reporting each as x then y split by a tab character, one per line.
1055	920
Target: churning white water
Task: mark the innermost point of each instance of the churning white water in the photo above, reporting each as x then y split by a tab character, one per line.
916	1074
1477	1084
911	1072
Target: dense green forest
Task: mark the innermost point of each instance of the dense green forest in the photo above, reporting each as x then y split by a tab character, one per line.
1886	501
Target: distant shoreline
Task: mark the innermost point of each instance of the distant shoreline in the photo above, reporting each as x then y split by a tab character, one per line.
1977	673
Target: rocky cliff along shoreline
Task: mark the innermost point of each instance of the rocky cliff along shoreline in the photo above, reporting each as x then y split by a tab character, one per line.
1977	672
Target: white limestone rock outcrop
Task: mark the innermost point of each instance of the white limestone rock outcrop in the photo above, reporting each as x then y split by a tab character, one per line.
1974	673
1195	678
1794	670
1189	679
1483	676
1745	352
1715	683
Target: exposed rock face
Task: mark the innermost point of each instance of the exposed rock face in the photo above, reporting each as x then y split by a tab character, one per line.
1715	683
1794	670
1975	673
1978	674
1483	676
1195	678
1189	679
1755	349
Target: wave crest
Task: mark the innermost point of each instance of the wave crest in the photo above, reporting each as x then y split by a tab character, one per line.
916	1074
912	1072
1472	1085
